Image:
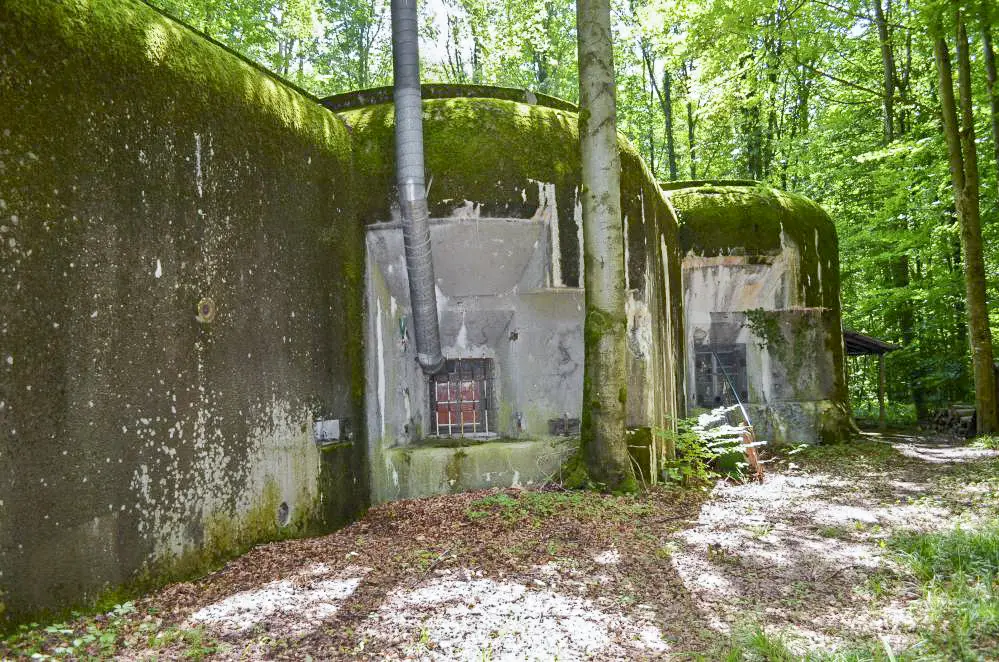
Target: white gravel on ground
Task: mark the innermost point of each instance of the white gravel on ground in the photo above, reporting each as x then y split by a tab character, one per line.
455	619
300	602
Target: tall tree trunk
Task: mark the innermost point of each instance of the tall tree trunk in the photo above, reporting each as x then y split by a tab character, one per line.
605	381
888	67
691	144
964	175
990	70
667	103
665	96
899	267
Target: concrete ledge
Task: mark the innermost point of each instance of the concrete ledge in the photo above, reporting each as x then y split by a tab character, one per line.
419	471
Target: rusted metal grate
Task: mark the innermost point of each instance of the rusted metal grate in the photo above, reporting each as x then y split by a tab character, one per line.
461	401
712	363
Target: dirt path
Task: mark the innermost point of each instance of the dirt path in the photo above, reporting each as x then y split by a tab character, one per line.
518	575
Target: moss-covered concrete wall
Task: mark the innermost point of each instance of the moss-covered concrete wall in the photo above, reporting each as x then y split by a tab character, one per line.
144	170
502	167
761	270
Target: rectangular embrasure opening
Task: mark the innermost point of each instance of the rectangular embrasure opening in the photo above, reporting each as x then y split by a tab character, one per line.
461	399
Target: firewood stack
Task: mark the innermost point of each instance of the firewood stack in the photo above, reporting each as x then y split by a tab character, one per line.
958	420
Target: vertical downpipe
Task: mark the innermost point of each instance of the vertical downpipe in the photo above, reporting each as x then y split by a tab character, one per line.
411	185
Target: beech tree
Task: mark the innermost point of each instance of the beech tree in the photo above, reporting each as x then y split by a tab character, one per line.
605	380
959	132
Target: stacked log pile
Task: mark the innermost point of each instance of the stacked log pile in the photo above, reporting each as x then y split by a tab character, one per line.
958	420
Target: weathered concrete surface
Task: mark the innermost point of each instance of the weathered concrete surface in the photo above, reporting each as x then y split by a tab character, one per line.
418	471
507	241
142	171
182	264
761	272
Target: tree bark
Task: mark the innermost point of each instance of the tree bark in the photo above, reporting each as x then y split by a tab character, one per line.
665	96
890	74
667	103
892	130
963	161
604	447
990	71
691	144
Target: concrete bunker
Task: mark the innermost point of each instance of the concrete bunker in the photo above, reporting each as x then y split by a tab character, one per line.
507	240
206	336
761	301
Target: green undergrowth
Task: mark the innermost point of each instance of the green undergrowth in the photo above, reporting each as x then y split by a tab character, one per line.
987	441
689	461
752	643
867	412
105	635
957	573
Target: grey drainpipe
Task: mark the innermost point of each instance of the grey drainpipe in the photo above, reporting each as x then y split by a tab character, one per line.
412	188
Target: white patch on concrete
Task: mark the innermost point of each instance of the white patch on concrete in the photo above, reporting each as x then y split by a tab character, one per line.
818	261
380	358
462	340
473	619
627	254
197	164
159	269
547	213
441	300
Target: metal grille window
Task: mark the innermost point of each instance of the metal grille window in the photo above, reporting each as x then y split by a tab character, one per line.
712	363
461	400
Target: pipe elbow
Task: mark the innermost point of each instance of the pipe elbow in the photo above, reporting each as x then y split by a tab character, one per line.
431	365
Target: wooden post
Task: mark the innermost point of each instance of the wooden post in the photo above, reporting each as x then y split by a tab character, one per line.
881	392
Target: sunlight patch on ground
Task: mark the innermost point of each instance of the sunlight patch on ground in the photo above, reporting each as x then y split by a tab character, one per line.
299	603
837	513
945	454
448	619
790	541
609	557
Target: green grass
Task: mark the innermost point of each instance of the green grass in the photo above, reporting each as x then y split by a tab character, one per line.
957	573
986	441
751	643
957	576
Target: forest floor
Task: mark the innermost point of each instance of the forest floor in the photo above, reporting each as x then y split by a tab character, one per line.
796	565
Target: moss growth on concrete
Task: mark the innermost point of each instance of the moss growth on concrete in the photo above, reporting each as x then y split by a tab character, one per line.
133	141
754	220
764	325
490	152
574	474
379	95
126	36
453	470
226	537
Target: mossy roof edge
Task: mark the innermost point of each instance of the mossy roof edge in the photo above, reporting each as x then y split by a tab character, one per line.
716	217
232	51
461	129
129	33
378	95
692	183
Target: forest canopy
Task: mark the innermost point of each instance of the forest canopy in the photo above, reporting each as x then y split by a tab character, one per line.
839	100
